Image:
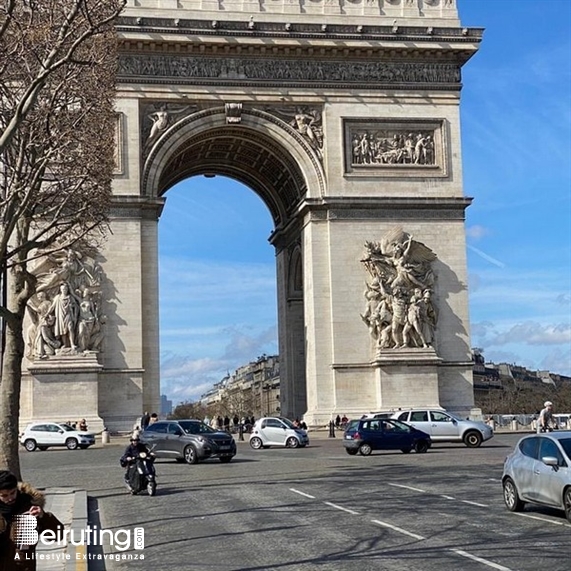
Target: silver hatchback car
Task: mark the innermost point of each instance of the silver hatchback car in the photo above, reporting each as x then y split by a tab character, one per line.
443	426
539	471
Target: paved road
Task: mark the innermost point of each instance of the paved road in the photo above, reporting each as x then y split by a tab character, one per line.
318	509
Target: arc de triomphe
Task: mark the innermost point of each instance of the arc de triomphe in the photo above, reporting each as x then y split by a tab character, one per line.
343	116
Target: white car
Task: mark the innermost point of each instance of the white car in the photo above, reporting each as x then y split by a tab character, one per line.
44	435
277	431
443	426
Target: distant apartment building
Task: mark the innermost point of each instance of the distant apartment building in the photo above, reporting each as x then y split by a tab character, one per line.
253	389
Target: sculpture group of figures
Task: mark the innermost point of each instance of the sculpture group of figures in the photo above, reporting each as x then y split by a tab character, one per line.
65	312
399	311
398	148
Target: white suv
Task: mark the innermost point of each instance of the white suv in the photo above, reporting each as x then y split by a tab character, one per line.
43	435
445	427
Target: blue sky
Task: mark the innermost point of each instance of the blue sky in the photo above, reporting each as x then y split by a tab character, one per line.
217	269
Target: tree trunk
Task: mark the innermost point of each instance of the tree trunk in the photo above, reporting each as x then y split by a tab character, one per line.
12	377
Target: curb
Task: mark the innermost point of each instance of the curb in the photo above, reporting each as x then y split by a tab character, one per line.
69	505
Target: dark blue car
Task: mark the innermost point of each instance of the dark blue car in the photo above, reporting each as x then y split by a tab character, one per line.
370	434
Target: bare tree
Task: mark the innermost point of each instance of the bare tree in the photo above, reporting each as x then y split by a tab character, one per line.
188	410
57	76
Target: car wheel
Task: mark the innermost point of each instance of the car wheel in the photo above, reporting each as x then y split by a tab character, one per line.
71	444
472	439
30	445
511	497
256	443
292	442
405	450
421	446
190	455
351	451
567	503
226	459
365	449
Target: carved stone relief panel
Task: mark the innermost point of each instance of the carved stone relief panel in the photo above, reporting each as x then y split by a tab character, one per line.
306	120
66	313
399	309
401	147
157	117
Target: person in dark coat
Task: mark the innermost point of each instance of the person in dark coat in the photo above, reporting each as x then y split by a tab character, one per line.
127	460
19	498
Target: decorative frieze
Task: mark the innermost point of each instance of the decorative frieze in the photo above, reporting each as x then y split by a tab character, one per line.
235	70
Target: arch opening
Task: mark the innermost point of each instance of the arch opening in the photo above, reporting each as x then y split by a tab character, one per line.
217	284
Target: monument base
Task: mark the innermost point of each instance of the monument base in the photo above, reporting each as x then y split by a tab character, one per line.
63	388
406	377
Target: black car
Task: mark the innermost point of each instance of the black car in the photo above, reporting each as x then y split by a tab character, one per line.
189	441
368	434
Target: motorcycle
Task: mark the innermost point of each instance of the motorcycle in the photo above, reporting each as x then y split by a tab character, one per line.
141	474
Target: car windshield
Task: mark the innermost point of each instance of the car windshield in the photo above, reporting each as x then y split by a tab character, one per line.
566	445
195	427
66	427
288	422
352	425
400	426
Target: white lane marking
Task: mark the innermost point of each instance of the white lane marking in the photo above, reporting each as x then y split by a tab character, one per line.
544	519
408	488
341	508
395	528
301	493
480	560
448	497
475	504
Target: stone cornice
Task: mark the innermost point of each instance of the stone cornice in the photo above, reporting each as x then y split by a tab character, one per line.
128	206
384	208
222	28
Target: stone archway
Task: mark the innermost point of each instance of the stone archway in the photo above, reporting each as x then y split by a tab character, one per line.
344	118
266	154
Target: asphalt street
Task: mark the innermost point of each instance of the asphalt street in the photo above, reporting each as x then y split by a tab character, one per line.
315	509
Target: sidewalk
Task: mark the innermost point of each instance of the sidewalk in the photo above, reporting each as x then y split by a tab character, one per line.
70	507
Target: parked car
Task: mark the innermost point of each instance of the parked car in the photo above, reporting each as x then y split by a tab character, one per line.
44	435
277	431
445	427
368	434
539	471
189	441
385	414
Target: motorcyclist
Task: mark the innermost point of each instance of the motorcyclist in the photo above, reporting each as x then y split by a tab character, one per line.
131	452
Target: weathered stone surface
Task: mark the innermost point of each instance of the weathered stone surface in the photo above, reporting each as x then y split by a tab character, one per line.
274	93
